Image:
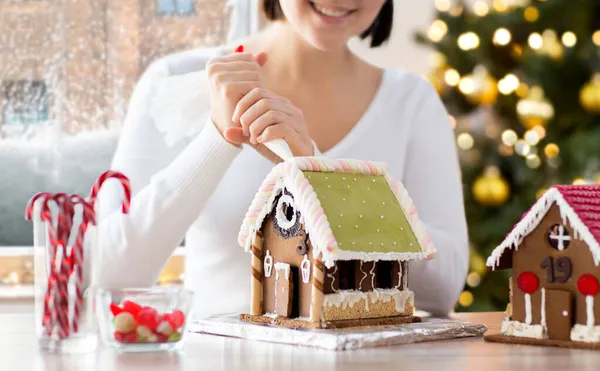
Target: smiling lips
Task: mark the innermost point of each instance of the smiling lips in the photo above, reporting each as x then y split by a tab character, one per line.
330	11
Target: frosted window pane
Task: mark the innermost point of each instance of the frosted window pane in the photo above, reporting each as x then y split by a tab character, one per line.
67	72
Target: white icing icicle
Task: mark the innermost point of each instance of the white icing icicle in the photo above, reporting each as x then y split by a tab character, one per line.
282	267
372	273
268	264
543	308
364	274
528	309
399	275
589	311
332	276
305	268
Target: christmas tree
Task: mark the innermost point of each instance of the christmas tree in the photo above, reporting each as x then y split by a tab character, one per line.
521	79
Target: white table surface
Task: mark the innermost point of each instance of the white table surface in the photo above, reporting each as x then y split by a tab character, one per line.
18	351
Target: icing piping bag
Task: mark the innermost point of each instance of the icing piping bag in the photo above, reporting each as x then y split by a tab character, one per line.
280	148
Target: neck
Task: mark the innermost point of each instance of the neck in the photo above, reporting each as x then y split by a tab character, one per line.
292	58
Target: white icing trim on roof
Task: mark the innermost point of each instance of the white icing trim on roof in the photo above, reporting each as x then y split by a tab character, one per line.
289	174
532	220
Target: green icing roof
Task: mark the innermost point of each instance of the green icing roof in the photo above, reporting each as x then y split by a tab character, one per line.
363	212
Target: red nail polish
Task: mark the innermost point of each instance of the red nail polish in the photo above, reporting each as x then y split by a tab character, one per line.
239	49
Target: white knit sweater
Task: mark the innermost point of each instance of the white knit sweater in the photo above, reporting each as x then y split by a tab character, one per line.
198	186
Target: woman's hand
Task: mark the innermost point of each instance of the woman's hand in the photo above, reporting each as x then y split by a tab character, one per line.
232	77
263	116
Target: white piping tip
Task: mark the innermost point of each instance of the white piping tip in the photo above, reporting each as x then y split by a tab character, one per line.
280	148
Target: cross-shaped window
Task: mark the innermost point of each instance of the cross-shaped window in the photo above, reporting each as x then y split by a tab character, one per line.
175	7
558	237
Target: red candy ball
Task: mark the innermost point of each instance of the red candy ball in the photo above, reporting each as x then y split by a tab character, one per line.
131	307
148	317
528	282
177	319
587	285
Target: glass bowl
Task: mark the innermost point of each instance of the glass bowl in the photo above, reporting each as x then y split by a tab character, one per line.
139	320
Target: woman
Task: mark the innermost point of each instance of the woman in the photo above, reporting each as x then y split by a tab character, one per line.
298	81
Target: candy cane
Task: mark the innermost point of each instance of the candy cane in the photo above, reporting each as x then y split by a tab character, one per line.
77	254
124	183
45	216
65	223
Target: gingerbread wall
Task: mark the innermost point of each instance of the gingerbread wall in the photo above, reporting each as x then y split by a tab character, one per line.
529	257
284	251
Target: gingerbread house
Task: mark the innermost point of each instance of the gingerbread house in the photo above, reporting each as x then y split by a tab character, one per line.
330	243
554	253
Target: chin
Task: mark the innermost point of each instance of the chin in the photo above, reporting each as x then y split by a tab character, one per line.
326	43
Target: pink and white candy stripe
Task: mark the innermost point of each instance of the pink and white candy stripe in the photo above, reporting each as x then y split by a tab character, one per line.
290	174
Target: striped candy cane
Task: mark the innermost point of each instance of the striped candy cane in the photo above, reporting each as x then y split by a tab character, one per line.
77	255
124	183
46	217
63	232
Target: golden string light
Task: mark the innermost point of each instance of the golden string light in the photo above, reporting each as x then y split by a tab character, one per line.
509	137
531	137
522	148
468	41
437	31
452	77
596	38
481	8
465	141
535	41
502	36
569	39
508	84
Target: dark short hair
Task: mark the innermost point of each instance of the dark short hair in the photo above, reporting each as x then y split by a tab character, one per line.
379	31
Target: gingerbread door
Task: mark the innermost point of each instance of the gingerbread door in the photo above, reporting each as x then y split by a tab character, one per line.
284	290
559	314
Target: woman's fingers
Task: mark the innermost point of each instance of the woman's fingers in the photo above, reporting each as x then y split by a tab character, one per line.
235	90
229	76
264	121
278	131
256	103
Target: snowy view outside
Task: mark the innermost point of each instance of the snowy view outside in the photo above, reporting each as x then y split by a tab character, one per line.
67	69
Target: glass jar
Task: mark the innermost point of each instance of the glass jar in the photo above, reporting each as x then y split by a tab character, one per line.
63	309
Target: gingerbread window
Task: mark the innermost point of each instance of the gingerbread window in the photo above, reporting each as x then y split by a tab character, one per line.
384	275
558	237
287	217
347	274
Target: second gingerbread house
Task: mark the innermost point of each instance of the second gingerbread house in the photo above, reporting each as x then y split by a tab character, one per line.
554	253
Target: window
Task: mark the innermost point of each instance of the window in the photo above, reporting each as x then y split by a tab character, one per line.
75	66
26	103
384	273
347	274
558	237
175	7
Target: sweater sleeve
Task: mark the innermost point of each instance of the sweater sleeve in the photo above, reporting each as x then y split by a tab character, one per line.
432	177
170	186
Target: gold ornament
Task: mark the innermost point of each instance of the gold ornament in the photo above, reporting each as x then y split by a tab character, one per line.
589	97
480	88
535	109
490	189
